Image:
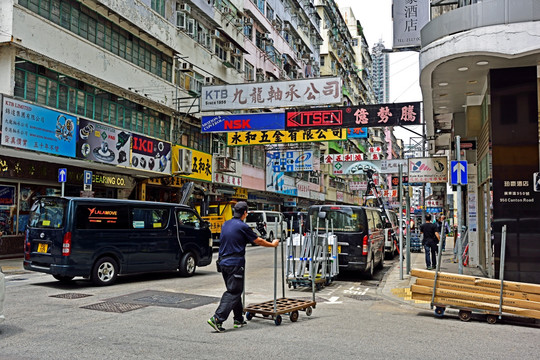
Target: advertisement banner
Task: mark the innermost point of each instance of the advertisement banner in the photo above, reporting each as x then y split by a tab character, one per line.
100	142
392	114
278	182
291	161
284	136
294	93
428	170
150	154
243	122
201	164
32	127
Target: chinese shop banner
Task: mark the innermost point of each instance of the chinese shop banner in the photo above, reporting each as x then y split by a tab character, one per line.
409	18
32	127
100	142
201	164
243	122
150	154
393	114
294	93
284	136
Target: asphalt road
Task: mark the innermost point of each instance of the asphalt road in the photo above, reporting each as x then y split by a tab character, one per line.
165	317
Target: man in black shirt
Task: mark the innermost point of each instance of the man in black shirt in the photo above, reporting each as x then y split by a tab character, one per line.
430	240
235	235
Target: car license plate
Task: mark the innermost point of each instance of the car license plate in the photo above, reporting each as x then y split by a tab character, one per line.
42	248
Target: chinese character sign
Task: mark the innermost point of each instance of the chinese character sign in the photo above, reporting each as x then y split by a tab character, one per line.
150	154
409	18
283	136
201	164
355	117
308	92
32	127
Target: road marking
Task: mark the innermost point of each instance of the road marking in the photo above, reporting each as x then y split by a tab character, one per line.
333	300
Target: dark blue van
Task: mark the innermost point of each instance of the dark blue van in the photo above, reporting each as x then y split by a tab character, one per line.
103	238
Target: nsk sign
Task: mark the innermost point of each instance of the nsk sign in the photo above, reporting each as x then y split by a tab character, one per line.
243	122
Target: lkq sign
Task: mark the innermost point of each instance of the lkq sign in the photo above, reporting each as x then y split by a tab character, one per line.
279	94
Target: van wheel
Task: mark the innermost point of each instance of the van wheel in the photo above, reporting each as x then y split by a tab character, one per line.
381	263
369	272
63	279
104	272
187	265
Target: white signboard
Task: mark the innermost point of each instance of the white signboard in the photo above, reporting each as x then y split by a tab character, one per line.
409	16
307	92
332	158
219	178
392	166
317	196
428	170
358	185
303	188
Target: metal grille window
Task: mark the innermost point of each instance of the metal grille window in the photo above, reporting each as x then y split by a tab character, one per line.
97	29
45	87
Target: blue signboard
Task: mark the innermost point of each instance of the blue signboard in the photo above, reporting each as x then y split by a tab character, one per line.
32	127
62	175
243	122
357	133
459	172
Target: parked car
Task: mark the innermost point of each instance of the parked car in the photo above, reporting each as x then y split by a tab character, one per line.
360	235
298	219
391	234
103	238
268	225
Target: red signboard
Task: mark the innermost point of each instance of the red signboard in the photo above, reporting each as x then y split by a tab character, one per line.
319	118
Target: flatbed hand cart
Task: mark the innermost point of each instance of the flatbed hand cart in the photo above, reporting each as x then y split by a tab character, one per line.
274	309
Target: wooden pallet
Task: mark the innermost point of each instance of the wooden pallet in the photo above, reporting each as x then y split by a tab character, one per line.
283	306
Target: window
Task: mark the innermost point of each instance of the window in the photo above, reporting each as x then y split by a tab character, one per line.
47	213
261	5
187	218
249	71
147	218
269	12
158	6
110	217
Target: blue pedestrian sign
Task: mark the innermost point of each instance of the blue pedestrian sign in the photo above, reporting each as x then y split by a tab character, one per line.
459	172
62	175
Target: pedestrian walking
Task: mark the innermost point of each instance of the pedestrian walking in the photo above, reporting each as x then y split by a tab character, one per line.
430	239
235	235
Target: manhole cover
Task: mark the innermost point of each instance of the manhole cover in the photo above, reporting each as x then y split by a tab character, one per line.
113	307
70	296
166	299
363	297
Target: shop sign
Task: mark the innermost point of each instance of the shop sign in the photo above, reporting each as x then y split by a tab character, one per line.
221	178
303	188
428	170
291	161
332	158
377	115
278	182
201	163
339	196
7	196
357	133
150	154
32	127
317	196
100	142
294	93
243	122
166	181
110	180
409	17
289	202
358	185
284	136
240	193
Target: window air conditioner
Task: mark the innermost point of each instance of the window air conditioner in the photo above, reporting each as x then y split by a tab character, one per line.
185	161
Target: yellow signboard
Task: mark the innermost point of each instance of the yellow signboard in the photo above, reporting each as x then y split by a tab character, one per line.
284	136
240	193
201	164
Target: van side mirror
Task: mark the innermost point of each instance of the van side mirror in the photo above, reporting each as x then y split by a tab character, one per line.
322	215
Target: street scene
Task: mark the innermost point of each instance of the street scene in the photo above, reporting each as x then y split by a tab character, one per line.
254	178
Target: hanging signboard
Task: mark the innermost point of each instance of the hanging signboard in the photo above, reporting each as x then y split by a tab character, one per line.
428	170
377	115
291	161
409	18
243	122
294	93
357	133
100	142
283	136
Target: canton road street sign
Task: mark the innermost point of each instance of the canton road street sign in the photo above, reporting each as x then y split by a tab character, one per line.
459	172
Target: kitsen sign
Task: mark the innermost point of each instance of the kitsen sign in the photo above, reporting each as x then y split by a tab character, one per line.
308	92
393	114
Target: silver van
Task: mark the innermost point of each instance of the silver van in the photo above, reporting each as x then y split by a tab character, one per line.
268	225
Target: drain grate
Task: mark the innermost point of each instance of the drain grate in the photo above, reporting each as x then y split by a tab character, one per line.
116	307
363	297
70	296
166	299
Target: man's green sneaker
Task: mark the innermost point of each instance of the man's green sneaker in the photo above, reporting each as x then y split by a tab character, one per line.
216	324
239	324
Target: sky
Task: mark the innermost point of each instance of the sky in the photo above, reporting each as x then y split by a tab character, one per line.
376	19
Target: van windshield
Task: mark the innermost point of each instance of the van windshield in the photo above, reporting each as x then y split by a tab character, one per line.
254	217
47	213
342	218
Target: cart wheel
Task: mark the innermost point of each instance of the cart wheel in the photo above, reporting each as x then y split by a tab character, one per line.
294	286
265	315
294	316
309	311
464	315
492	319
439	311
249	316
277	320
290	285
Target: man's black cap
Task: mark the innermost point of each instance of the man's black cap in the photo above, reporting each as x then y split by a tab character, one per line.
240	208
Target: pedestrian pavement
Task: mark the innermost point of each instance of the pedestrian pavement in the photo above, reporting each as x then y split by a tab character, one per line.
396	288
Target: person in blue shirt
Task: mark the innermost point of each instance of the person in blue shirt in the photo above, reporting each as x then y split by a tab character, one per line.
235	235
